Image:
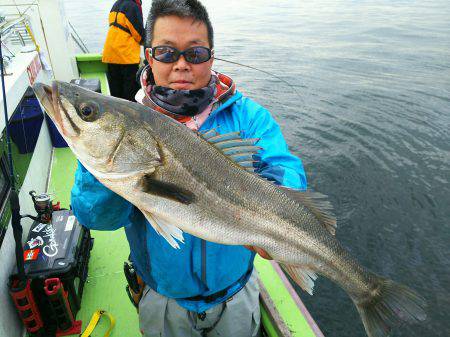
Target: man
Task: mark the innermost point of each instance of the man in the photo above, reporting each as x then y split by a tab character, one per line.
203	288
122	47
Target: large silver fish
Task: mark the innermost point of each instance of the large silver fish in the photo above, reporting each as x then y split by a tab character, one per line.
203	185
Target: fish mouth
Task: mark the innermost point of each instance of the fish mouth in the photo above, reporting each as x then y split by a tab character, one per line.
49	98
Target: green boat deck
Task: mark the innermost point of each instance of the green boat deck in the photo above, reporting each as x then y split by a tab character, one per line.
105	286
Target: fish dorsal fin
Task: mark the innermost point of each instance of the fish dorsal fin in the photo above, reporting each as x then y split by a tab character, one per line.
241	150
243	156
227	136
229	143
169	232
303	276
318	204
247	163
208	134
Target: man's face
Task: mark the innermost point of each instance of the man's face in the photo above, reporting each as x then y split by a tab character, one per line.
180	33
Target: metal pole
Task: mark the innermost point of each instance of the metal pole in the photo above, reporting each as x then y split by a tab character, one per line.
5	111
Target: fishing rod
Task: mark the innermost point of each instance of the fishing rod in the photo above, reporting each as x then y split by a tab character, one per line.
14	198
262	71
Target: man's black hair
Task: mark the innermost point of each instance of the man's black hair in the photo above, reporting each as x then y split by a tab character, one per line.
180	8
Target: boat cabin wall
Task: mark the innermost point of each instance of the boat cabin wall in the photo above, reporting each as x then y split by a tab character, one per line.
59	42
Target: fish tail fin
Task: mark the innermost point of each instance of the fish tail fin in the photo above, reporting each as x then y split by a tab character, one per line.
390	305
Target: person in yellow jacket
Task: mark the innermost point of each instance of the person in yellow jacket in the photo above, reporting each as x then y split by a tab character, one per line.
122	47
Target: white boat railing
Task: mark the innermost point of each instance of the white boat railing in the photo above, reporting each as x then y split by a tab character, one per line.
16	30
77	39
15	36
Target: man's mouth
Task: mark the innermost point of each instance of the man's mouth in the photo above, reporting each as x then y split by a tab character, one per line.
180	84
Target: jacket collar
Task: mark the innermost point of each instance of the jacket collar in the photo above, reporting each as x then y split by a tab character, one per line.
226	89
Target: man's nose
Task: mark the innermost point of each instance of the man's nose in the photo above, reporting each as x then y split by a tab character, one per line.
182	64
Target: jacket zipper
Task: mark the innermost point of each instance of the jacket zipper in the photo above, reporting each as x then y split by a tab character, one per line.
204	262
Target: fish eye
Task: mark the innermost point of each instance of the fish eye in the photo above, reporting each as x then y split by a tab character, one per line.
88	111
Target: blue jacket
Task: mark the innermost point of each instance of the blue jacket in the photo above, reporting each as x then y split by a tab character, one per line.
199	268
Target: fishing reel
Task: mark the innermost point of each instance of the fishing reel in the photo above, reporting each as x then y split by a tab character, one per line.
44	207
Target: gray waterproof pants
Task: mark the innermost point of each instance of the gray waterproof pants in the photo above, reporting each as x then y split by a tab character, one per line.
160	316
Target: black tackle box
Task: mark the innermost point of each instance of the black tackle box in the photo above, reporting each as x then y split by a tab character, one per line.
88	83
60	249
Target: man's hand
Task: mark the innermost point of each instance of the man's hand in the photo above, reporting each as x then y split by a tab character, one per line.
261	252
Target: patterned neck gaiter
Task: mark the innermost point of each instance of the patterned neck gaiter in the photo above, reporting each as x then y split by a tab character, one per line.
184	102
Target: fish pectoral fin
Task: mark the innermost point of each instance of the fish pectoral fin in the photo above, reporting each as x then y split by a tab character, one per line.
169	232
303	276
166	190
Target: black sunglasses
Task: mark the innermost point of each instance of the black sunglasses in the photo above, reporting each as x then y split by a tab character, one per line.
169	54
